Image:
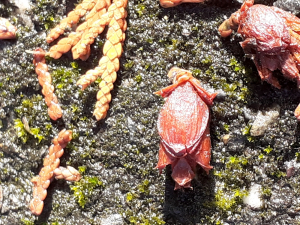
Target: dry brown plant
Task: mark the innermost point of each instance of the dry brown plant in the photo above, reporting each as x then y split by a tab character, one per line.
45	81
7	30
50	170
102	13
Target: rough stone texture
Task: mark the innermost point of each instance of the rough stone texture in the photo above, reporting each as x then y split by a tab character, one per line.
292	6
121	151
264	121
114	219
253	199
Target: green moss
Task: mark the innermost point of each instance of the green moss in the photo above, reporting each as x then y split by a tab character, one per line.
233	176
74	65
140	8
278	173
243	94
48	22
297	154
46	19
100	43
48	128
228	201
138	78
30	106
84	188
268	149
86	155
60	86
234	160
246	132
230	88
266	192
261	156
129	197
64	76
133	219
144	187
210	71
236	66
226	127
154	220
128	165
129	64
55	223
74	108
196	72
250	138
4	171
207	60
150	41
27	103
36	133
81	169
43	2
23	131
174	45
20	129
27	222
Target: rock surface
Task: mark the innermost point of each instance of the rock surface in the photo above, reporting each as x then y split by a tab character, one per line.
117	156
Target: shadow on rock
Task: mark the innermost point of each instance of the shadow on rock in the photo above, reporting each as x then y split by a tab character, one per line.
188	206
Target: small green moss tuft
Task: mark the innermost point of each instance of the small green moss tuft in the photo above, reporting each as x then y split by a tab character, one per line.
48	22
74	108
268	149
196	73
144	187
246	132
20	129
27	222
210	71
261	156
74	65
243	94
234	160
236	66
65	76
138	78
27	103
140	9
226	127
129	64
297	155
36	133
23	131
30	106
266	192
236	163
81	169
228	201
84	188
154	220
278	173
129	197
207	60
